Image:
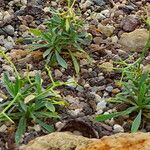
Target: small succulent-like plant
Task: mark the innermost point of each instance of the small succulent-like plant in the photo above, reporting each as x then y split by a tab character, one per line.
63	37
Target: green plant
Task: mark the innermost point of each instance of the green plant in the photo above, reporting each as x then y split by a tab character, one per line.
63	37
136	90
28	100
136	94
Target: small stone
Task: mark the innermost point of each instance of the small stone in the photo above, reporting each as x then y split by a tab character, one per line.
75	112
99	2
29	18
83	62
59	125
46	9
9	30
37	128
7	17
146	68
115	91
130	23
1	99
107	66
106	13
98	16
109	88
97	40
99	112
53	3
8	45
101	105
117	128
114	39
23	28
80	88
86	5
3	128
58	73
106	30
95	47
23	2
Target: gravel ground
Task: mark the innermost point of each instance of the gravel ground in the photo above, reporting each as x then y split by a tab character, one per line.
114	25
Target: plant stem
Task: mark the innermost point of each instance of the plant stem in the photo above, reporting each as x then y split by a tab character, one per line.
10	104
10	62
50	75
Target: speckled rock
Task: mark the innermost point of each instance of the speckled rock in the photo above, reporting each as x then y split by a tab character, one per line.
134	41
57	140
122	141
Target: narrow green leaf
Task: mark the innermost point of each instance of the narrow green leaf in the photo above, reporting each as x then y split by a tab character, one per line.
38	46
21	129
67	25
36	32
29	98
75	63
45	126
50	106
47	52
136	123
60	60
116	114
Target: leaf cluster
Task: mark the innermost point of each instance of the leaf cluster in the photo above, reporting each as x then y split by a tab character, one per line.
29	101
63	37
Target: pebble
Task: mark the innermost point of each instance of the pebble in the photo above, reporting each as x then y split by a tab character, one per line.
97	40
9	30
53	3
106	30
117	128
8	45
37	128
1	99
3	128
99	112
101	105
109	88
106	13
59	125
58	73
86	5
130	23
23	28
29	18
99	2
114	39
98	16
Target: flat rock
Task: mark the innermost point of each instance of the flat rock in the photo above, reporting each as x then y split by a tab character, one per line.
121	141
57	141
134	41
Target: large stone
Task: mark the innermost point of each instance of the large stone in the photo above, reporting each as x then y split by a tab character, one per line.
57	141
68	141
134	41
122	141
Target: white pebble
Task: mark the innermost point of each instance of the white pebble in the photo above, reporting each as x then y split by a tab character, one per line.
101	105
118	128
